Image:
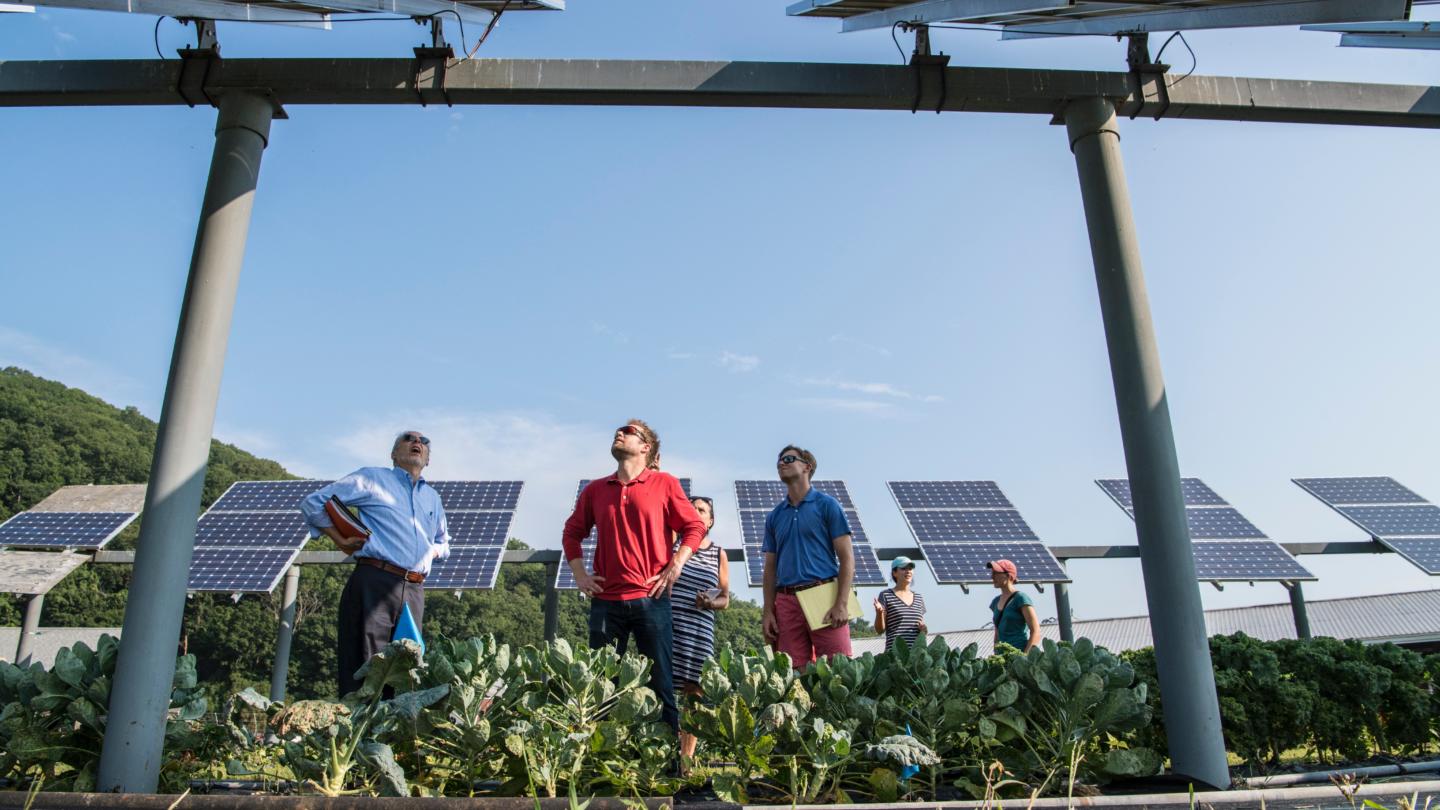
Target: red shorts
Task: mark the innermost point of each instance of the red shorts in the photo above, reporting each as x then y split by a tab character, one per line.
800	642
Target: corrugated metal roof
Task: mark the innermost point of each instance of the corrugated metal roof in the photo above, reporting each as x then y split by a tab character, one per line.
1396	617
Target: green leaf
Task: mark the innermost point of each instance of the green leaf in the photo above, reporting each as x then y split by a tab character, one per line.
381	759
69	668
1005	694
409	704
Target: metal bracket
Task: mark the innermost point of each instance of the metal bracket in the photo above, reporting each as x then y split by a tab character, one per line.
1137	57
437	58
926	62
195	63
1218	585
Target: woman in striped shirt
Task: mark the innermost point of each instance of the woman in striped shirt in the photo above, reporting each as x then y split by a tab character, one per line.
900	611
702	588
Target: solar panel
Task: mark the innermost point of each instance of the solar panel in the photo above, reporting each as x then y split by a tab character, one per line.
949	495
1219	523
470	495
757	499
251	530
78	530
239	570
467	568
478	528
1226	546
1193	490
961	525
957	525
265	496
1353	491
1424	552
1395	521
964	563
304	12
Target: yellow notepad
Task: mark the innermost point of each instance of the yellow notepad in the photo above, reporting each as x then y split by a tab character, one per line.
817	601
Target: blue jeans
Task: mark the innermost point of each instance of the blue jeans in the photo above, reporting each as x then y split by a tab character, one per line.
614	621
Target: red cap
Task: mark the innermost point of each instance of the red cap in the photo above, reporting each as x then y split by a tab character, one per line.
1003	565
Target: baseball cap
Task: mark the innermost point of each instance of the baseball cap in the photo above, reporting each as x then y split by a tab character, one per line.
1003	565
901	562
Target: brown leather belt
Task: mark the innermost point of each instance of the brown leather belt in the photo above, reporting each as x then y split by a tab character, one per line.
794	589
408	576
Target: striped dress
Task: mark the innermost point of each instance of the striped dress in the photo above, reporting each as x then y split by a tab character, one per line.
694	628
901	620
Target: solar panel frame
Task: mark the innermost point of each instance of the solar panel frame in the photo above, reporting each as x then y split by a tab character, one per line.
89	531
1216	561
1422	552
957	541
242	570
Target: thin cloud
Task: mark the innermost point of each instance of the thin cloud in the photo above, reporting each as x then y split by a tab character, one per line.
738	363
878	389
860	344
53	363
844	404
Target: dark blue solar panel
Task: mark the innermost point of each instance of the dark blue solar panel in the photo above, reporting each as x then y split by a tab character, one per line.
478	528
755	566
1349	491
265	496
565	578
857	531
79	530
949	495
768	494
1195	492
968	524
1395	521
467	568
1210	523
465	495
1424	552
1245	560
867	566
752	527
281	530
964	563
238	570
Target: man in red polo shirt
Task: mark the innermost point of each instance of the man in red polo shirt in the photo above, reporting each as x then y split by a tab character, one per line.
635	513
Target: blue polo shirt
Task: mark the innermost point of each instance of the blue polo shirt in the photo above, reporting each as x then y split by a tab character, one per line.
802	538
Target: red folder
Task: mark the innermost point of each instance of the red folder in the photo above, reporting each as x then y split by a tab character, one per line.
346	523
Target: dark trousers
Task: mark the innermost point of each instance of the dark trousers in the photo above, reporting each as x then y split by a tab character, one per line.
614	621
369	609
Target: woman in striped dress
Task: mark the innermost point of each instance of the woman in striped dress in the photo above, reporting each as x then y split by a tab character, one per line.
702	588
900	611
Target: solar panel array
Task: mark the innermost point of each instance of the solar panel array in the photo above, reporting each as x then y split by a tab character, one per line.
253	532
88	531
1227	547
961	525
564	577
756	499
1395	516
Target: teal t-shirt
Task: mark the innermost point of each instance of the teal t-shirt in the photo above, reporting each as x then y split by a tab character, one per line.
1011	621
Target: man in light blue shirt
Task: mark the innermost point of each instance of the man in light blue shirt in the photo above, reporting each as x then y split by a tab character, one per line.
407	531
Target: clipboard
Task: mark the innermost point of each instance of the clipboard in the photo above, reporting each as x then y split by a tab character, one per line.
817	601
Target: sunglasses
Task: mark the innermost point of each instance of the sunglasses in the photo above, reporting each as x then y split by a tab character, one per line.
709	501
630	430
414	437
791	459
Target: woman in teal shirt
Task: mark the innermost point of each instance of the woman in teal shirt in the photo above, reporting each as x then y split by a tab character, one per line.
1013	612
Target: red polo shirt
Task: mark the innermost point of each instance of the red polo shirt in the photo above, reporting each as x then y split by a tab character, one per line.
634	525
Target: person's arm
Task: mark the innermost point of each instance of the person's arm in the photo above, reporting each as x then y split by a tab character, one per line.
768	624
579	524
723	600
353	490
880	613
440	548
920	623
839	613
680	517
1034	622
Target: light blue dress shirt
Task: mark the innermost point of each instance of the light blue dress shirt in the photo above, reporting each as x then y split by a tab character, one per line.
405	517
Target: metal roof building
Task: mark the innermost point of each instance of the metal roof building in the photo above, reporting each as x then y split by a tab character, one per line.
1408	619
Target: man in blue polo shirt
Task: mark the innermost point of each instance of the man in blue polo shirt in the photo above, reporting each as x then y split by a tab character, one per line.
407	531
807	543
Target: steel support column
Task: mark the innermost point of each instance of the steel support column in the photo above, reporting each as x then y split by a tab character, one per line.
552	601
1297	609
131	757
1177	618
1062	612
29	628
281	671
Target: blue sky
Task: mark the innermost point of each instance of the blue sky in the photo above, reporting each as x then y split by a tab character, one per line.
909	296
